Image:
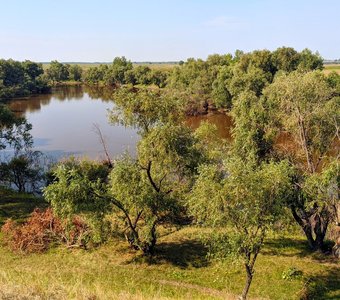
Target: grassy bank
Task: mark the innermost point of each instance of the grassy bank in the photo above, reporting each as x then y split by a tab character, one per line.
180	269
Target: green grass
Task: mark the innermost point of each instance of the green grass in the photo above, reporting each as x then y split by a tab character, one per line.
179	270
17	206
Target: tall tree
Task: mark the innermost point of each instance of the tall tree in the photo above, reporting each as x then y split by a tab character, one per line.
309	111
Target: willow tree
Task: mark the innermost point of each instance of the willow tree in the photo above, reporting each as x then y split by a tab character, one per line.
308	108
241	200
144	108
151	187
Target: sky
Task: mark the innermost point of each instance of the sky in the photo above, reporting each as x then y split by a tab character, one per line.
163	30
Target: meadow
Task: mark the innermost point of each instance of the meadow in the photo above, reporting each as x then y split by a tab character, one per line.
332	68
180	269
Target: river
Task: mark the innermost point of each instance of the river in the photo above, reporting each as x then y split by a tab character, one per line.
63	123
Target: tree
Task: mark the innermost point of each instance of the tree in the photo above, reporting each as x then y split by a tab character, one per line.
308	109
310	61
220	93
75	72
24	171
255	127
95	75
159	78
144	108
142	75
57	71
32	69
151	188
241	200
286	59
115	74
75	189
141	193
14	132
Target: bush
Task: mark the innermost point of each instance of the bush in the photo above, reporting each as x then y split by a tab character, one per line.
43	229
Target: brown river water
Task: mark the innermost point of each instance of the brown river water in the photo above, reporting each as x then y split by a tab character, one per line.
63	123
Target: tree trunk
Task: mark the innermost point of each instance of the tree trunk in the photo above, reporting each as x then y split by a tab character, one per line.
319	227
306	226
149	247
248	282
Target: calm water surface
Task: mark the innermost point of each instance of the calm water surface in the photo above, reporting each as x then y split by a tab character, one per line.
63	123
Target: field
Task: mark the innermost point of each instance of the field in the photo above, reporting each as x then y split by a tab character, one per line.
332	68
180	269
328	68
156	65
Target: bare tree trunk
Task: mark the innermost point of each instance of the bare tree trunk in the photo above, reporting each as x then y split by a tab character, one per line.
103	143
248	282
304	143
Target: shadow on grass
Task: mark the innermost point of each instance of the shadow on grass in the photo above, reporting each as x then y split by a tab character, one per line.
286	247
181	254
290	247
323	286
18	206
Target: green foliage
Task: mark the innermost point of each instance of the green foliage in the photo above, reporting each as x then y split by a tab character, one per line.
95	75
286	59
142	75
292	273
24	171
75	72
14	132
243	201
57	72
310	61
115	74
308	110
144	108
308	107
76	189
140	193
255	128
159	78
21	78
144	207
220	93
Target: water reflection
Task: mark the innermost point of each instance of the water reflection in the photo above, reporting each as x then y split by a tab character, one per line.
63	122
222	121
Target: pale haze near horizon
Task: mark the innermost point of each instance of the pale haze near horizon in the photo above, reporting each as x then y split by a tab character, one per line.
163	30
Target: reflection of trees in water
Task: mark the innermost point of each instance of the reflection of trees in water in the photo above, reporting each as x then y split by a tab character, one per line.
97	92
65	93
222	121
31	104
68	93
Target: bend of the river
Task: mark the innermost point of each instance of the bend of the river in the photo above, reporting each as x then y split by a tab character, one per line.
63	123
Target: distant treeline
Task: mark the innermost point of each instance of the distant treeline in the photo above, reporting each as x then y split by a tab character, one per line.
213	81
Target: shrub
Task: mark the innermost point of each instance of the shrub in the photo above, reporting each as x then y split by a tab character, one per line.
43	229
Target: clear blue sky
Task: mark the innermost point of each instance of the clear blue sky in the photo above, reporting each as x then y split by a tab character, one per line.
163	30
